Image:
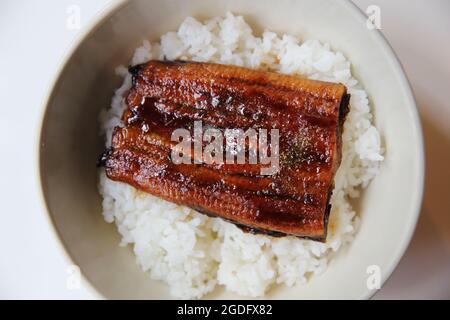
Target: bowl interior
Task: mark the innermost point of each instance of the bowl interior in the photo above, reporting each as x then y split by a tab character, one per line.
70	140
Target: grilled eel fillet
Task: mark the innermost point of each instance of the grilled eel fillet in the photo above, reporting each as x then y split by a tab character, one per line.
309	115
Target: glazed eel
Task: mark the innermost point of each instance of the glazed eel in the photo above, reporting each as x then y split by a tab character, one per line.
309	116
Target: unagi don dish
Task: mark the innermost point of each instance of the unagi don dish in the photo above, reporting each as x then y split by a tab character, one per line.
232	159
309	115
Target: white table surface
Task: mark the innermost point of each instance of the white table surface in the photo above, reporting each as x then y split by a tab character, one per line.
33	37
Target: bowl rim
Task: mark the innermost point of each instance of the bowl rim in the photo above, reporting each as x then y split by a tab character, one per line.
105	13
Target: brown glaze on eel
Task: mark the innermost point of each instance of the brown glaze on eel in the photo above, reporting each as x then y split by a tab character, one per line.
308	114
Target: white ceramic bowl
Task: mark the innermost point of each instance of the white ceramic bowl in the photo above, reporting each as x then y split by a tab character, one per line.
70	143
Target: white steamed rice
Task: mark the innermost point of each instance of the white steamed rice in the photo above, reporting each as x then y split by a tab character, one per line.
194	253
